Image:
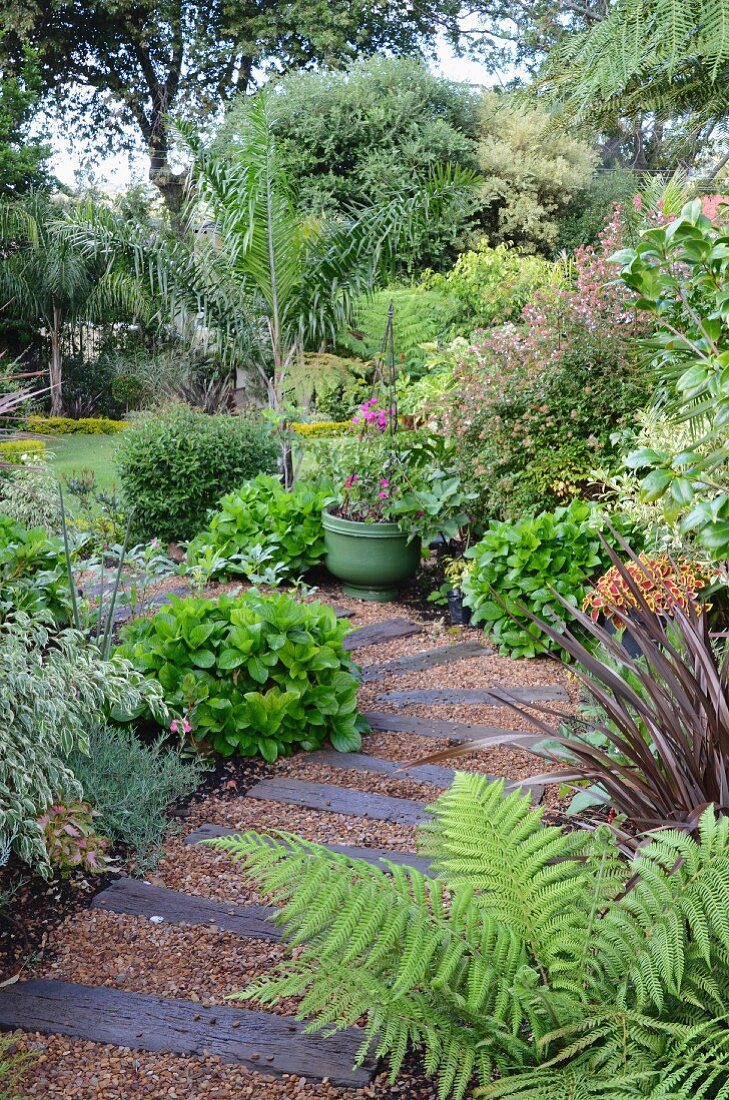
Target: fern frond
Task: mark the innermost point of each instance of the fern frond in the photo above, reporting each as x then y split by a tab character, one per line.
423	964
568	1084
677	912
533	879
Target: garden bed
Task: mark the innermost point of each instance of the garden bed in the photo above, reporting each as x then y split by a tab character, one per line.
202	964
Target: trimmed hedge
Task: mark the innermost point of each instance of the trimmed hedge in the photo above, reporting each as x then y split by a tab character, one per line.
323	428
66	425
174	466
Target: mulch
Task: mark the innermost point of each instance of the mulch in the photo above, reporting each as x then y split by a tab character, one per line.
62	938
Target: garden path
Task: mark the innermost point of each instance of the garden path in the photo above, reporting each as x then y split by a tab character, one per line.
128	1000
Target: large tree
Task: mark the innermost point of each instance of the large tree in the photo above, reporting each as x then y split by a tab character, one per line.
53	287
373	128
22	158
121	68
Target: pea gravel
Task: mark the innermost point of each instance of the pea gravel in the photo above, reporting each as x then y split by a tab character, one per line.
202	963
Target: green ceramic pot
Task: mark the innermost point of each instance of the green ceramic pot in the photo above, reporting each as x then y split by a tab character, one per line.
371	559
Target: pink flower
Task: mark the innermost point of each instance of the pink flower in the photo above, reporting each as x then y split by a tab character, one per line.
350	481
383	495
384	483
180	725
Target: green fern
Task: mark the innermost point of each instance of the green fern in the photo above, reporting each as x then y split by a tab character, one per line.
538	963
421	315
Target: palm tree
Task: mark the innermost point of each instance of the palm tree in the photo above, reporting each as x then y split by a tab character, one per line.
52	285
260	280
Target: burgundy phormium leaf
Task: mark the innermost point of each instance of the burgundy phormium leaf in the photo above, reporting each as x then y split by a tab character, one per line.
663	751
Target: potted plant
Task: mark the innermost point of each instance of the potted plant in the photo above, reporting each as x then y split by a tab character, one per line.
393	494
663	583
454	572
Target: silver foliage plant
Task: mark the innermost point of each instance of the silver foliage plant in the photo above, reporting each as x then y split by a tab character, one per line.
54	691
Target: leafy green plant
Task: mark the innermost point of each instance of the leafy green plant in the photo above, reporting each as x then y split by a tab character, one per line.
422	315
389	475
33	576
71	839
98	519
538	964
53	692
654	744
18	452
67	425
29	494
528	566
678	272
255	674
175	465
376	125
261	513
492	285
131	784
535	404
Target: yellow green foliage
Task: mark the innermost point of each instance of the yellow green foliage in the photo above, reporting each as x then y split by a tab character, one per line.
320	428
66	425
12	450
531	172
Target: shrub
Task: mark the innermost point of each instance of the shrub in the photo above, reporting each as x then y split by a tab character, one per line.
664	585
131	785
67	425
322	428
256	674
18	451
29	496
263	514
492	285
653	743
531	172
175	465
538	965
71	839
678	272
33	573
532	562
421	315
52	692
535	406
377	126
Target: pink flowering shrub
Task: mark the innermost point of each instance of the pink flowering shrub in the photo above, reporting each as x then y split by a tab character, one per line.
535	403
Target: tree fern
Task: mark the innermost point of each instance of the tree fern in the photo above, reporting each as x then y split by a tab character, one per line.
667	56
539	962
421	315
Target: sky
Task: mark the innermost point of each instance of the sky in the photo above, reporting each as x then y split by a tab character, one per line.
116	172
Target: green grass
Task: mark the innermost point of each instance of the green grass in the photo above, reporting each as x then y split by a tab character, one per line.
72	453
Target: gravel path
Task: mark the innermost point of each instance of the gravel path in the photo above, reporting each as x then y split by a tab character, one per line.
203	964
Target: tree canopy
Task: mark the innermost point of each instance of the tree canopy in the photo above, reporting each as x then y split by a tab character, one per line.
21	157
671	60
378	126
120	68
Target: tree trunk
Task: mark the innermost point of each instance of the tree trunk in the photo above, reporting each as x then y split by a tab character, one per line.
56	364
171	185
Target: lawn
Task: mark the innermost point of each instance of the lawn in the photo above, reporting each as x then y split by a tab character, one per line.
76	452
